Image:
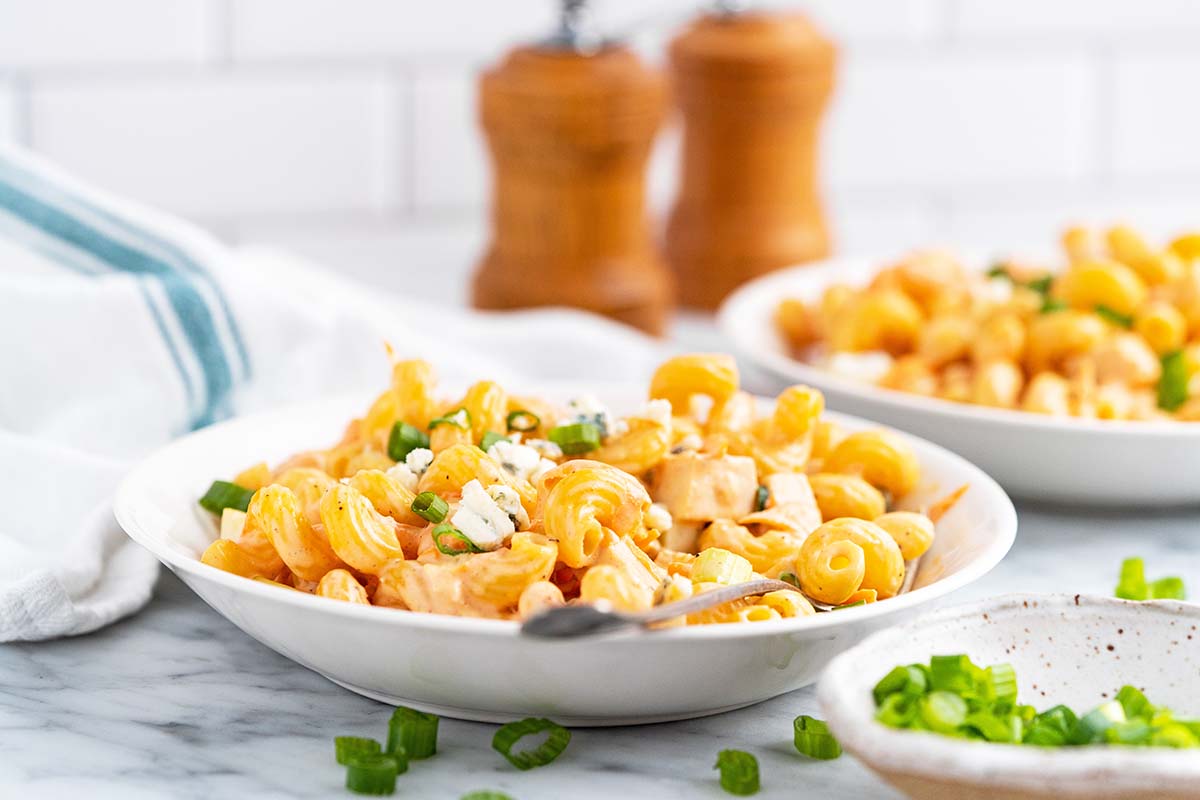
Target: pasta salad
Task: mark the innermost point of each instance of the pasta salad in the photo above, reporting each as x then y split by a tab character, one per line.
1114	334
497	505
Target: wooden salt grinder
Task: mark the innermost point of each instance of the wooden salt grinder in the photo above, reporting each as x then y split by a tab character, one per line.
569	125
751	88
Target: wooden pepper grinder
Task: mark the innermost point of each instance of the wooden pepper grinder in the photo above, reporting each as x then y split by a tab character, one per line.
751	88
570	122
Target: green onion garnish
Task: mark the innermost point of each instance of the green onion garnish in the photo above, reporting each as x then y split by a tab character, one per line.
412	734
739	772
556	741
223	494
761	495
459	418
405	438
1173	383
1114	316
790	577
447	530
485	795
576	438
812	738
348	747
523	421
1052	304
372	774
1169	588
1041	285
981	704
1132	585
428	505
489	439
999	270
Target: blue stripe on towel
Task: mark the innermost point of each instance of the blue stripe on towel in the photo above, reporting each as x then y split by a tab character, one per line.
194	316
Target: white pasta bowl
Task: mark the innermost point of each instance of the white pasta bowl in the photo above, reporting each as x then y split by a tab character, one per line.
485	669
1098	462
1070	649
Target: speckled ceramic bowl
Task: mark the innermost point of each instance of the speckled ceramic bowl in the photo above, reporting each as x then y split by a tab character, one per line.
1070	649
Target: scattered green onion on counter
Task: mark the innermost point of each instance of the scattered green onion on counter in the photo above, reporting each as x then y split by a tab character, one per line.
557	739
954	697
485	795
576	438
1132	584
223	494
372	774
739	772
522	421
429	506
403	439
812	738
413	733
348	747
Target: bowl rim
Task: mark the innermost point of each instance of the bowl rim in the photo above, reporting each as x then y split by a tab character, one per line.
1003	521
926	754
751	308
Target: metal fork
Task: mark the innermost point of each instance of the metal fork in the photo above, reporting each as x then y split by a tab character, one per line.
565	622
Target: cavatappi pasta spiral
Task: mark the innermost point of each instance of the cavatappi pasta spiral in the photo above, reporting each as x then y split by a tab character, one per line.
498	506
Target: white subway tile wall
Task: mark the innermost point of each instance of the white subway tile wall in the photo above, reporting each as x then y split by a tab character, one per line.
346	130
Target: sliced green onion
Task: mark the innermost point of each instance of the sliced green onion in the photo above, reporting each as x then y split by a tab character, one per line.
1053	304
485	795
372	774
761	495
790	577
412	733
522	420
223	494
995	727
447	530
348	747
1174	735
1134	702
1132	583
1091	726
459	418
405	438
812	738
1041	285
999	270
910	680
1114	316
855	604
739	772
943	711
1001	680
429	506
556	742
1169	588
1130	732
952	673
1043	735
1173	382
898	710
576	438
490	438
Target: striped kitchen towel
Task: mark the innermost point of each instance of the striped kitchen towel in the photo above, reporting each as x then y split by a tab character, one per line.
124	327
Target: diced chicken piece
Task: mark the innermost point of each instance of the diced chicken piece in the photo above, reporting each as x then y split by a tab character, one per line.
696	487
791	505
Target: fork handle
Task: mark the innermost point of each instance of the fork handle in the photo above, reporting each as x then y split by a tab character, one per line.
715	597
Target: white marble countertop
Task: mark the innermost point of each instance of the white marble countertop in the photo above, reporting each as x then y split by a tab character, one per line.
177	702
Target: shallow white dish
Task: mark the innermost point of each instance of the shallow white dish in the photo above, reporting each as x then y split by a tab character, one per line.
1071	649
1032	456
483	669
